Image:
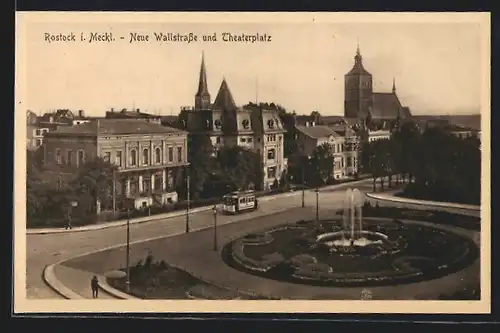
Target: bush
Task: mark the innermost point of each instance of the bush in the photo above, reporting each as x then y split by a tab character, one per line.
302	260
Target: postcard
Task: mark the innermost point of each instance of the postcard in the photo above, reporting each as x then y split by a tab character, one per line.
252	162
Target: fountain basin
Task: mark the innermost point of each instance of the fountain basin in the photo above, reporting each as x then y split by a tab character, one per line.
339	238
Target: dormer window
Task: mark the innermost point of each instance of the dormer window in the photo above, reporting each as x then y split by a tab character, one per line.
270	123
245	123
218	124
207	123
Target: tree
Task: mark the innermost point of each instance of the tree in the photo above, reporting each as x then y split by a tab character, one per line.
202	163
322	163
94	182
241	166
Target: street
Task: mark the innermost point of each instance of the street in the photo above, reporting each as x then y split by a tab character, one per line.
43	250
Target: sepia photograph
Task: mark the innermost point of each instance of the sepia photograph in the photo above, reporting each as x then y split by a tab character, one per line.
252	162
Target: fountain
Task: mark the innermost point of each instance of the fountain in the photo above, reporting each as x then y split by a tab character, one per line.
352	233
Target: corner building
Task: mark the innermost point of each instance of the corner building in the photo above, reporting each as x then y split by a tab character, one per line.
253	127
148	156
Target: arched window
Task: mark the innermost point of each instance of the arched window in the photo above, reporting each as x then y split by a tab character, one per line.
157	156
145	156
80	158
133	157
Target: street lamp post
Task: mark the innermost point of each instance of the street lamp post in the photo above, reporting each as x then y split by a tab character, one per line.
303	189
317	204
188	199
214	210
127	282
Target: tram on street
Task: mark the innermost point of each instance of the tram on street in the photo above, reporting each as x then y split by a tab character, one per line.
239	201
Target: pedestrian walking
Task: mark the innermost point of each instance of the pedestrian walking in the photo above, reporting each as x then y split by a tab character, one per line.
94	284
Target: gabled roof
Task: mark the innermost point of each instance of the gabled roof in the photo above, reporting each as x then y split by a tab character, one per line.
224	99
113	127
385	106
317	131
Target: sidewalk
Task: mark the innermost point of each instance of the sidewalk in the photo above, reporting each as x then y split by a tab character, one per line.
389	197
112	224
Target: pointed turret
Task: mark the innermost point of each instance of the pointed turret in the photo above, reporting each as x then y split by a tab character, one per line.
224	100
202	97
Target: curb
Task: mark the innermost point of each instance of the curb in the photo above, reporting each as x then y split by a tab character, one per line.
103	284
440	204
164	216
55	284
49	277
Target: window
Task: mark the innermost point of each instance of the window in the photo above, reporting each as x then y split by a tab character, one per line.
80	158
217	139
179	154
38	142
270	123
133	157
145	156
107	157
69	157
38	132
118	158
349	161
158	156
271	172
245	123
249	140
218	124
271	154
58	156
170	154
243	140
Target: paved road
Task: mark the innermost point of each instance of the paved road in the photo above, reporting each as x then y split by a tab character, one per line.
48	249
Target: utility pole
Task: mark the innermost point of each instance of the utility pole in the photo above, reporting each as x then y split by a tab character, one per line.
114	190
317	204
188	199
303	189
127	282
215	227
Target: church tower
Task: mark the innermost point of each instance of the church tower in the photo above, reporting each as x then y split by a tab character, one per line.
358	90
202	97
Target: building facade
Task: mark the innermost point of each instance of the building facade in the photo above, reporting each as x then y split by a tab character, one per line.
343	142
148	156
254	127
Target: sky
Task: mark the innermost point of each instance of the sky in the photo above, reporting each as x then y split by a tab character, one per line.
438	66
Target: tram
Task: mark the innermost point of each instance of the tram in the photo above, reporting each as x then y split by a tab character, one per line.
239	201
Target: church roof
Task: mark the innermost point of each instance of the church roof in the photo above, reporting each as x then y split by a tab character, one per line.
406	113
224	99
113	127
385	106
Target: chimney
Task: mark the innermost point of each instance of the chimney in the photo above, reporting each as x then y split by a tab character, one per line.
138	110
112	109
81	113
